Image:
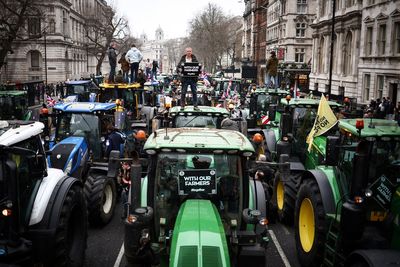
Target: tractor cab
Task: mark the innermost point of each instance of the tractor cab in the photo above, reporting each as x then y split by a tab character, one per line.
81	91
13	105
87	120
197	203
204	117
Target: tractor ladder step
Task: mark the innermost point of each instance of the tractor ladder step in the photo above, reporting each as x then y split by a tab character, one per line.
332	255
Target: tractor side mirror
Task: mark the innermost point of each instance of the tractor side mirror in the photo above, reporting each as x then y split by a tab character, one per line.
332	150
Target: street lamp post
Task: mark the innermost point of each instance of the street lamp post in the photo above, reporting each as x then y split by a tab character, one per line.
332	42
45	56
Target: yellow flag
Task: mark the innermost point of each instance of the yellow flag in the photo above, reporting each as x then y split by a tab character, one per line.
325	120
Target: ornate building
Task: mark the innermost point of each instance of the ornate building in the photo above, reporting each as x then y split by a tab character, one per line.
346	48
379	63
153	49
58	50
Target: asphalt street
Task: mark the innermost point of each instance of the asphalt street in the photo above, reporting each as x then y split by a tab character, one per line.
104	245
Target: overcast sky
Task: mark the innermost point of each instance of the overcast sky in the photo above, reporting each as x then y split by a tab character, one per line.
172	15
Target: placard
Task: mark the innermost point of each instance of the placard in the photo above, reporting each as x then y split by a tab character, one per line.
197	181
382	190
191	69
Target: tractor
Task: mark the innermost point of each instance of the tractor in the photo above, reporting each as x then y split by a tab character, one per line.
43	211
78	148
198	205
296	122
81	91
347	209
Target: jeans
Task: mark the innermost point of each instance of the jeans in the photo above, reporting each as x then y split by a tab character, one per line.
154	75
185	83
134	71
125	76
269	78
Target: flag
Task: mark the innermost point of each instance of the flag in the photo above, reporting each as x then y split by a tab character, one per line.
50	101
324	121
265	119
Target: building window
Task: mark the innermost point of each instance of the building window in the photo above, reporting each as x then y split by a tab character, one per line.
379	86
322	8
347	54
34	26
321	58
301	6
349	3
300	29
381	39
371	2
299	55
367	87
65	26
35	57
396	38
368	41
52	26
316	86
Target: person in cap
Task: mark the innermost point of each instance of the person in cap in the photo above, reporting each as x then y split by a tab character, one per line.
272	70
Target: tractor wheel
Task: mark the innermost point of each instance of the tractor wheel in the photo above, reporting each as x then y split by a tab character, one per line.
310	224
284	196
101	198
71	232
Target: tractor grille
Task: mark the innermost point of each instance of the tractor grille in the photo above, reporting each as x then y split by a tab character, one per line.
211	256
60	154
188	257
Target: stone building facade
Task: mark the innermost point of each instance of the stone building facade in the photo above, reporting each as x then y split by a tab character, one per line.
59	50
379	62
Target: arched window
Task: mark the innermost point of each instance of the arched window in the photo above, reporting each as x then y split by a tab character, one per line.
35	60
347	54
321	52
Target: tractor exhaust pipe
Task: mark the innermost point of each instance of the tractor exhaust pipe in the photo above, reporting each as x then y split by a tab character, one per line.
353	210
136	184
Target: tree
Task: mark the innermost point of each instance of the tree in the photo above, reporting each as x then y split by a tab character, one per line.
14	15
102	29
174	50
210	35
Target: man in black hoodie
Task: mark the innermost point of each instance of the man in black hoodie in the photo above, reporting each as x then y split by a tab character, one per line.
112	59
186	81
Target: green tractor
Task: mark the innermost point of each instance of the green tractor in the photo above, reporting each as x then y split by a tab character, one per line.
347	209
197	206
295	124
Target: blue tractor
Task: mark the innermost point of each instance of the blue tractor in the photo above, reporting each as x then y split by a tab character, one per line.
78	148
81	91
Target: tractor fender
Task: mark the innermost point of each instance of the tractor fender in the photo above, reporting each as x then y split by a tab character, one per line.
296	165
45	192
258	195
99	169
374	257
270	139
328	199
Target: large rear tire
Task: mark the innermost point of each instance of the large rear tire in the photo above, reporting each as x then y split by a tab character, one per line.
101	195
71	232
310	224
284	196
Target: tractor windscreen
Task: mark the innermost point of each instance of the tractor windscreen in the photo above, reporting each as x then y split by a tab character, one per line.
384	156
19	179
196	121
80	124
76	89
216	177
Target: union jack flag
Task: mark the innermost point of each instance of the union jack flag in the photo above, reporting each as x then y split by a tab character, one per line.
50	101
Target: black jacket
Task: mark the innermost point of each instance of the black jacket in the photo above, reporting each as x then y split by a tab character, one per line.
183	60
112	56
114	142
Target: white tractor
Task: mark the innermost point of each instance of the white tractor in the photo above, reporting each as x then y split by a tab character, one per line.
43	211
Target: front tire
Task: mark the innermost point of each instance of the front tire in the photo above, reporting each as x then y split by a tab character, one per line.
284	197
71	232
101	198
310	224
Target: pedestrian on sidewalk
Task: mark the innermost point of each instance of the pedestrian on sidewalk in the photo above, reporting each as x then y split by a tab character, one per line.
134	56
188	81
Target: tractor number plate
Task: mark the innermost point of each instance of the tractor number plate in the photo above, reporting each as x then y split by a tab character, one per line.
382	191
197	181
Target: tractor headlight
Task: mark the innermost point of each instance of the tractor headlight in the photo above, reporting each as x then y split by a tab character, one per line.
68	168
132	218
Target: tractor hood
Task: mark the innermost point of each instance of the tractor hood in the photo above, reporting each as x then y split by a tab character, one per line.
65	151
199	236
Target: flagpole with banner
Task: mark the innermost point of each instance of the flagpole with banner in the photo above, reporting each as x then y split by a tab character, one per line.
324	121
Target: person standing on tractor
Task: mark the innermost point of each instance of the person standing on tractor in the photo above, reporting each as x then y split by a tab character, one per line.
148	67
272	70
112	59
124	67
134	56
186	81
154	70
